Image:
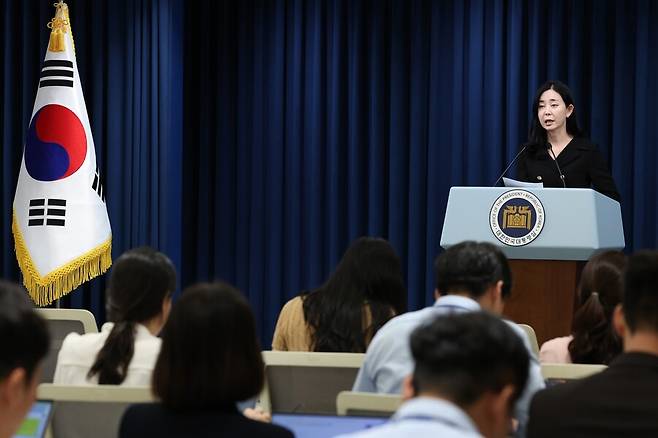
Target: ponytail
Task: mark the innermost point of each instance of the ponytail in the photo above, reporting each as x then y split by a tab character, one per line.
141	280
112	361
594	340
600	290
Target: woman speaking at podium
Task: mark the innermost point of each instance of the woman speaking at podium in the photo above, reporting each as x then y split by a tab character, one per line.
557	154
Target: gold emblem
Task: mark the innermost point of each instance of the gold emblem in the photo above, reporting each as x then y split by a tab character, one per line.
517	217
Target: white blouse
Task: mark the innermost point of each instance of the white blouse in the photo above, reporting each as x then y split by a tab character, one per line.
556	350
78	354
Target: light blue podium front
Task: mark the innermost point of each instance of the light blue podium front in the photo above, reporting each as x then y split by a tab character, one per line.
577	222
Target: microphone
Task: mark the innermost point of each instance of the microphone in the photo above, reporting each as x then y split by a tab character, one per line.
525	146
559	171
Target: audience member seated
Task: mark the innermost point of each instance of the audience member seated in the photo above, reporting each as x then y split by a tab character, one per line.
24	342
594	340
210	360
469	276
124	352
622	400
469	370
364	292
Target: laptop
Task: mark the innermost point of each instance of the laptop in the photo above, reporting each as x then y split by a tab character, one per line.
324	426
552	381
35	423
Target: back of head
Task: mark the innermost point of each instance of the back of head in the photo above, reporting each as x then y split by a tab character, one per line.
600	290
463	356
24	337
369	273
24	343
140	281
472	267
641	292
210	356
537	134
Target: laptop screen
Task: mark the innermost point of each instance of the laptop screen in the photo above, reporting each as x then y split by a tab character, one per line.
554	381
324	426
36	421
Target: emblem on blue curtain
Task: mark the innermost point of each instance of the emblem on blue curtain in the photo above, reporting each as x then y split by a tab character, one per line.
517	217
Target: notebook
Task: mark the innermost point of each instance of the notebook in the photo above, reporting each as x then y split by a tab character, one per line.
324	426
35	423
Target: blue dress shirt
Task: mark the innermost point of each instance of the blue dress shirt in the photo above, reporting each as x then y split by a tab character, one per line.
425	417
388	358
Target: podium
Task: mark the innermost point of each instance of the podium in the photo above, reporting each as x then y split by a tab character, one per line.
547	233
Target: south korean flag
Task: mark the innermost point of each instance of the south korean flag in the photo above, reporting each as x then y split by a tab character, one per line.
61	229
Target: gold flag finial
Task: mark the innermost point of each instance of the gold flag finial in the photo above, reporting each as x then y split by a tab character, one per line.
58	26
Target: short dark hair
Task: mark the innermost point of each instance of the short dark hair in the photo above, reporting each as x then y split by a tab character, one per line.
210	356
141	279
600	290
641	291
537	134
472	267
24	337
462	356
369	272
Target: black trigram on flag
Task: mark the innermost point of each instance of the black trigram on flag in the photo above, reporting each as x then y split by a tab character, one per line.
98	185
47	212
56	73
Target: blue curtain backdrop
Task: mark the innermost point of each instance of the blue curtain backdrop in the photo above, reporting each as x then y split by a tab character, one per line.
317	122
253	140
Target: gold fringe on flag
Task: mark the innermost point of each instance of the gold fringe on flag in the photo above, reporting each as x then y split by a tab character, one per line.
59	25
45	290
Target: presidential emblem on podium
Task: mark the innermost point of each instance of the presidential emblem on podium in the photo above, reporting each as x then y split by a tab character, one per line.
517	217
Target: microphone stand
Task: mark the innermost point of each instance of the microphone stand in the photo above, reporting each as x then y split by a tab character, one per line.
510	165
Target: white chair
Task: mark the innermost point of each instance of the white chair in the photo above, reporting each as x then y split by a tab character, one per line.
532	337
89	411
367	404
61	322
569	371
306	382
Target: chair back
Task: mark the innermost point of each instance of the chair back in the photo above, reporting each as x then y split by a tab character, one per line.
367	404
89	411
532	337
569	371
61	322
306	382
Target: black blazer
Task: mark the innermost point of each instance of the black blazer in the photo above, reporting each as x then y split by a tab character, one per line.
154	420
581	163
621	401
